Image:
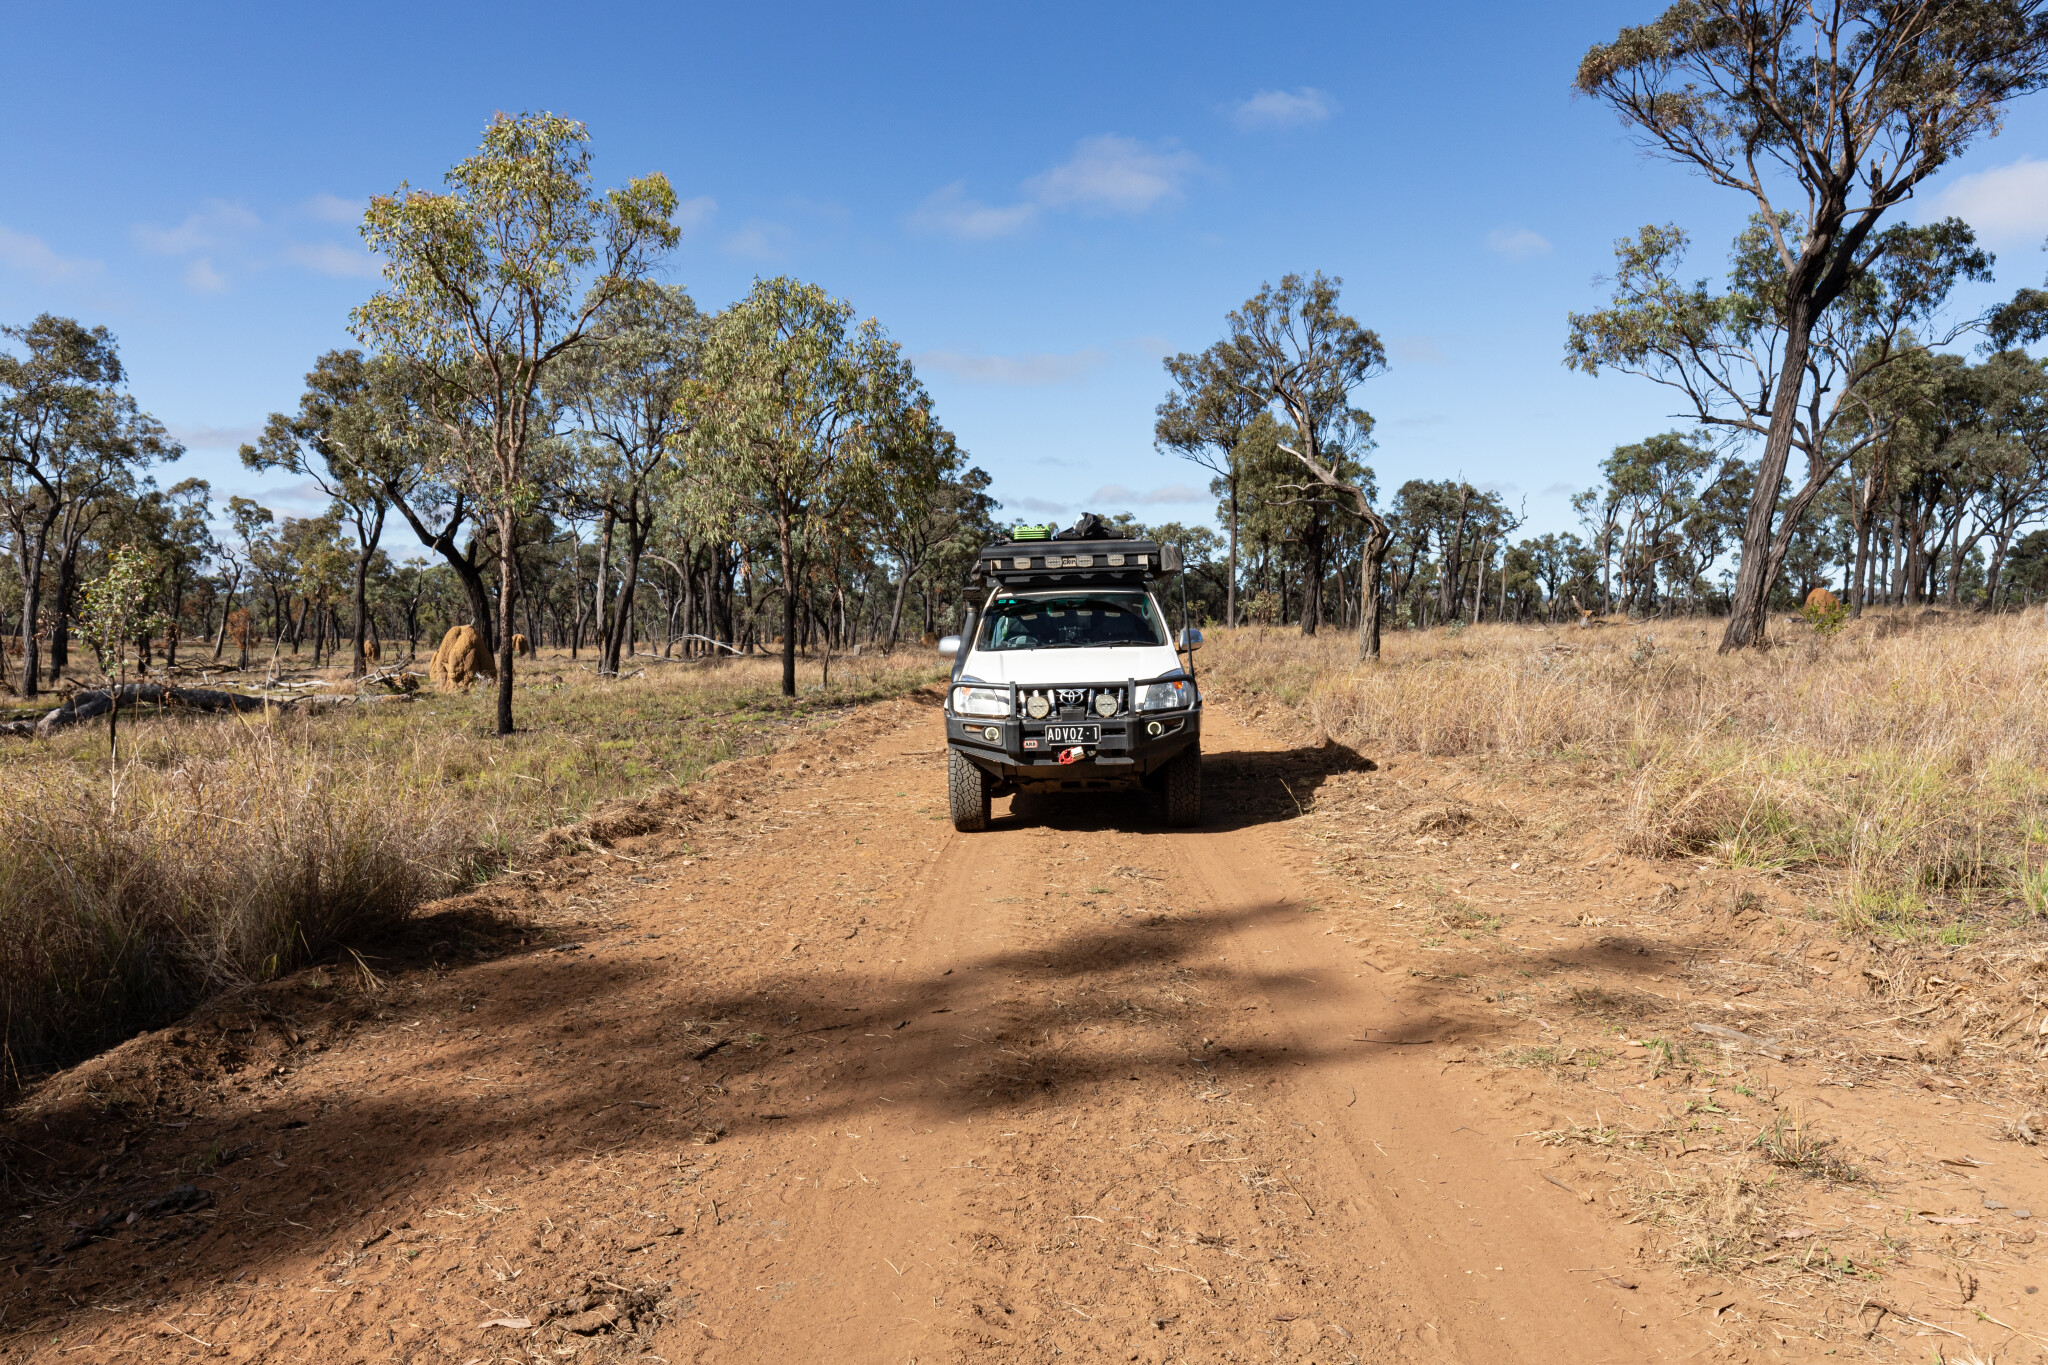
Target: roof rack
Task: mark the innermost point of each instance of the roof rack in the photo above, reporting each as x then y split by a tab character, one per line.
1074	563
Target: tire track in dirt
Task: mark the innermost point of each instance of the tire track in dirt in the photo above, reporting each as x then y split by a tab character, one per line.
1460	1225
1366	1268
822	1078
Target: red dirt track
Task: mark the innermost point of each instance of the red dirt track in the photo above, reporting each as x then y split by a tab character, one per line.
797	1073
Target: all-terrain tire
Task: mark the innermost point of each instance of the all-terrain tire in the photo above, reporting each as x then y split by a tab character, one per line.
968	788
1183	786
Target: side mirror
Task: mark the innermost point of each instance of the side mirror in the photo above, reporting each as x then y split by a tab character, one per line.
1190	640
949	645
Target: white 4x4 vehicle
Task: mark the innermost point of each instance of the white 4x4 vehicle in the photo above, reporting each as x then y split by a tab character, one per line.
1067	677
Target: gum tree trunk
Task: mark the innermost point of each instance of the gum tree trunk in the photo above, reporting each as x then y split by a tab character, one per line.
1756	570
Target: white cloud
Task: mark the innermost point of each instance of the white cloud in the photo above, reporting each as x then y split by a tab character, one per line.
2005	204
1038	505
33	257
1111	174
1106	174
1418	348
758	240
1172	495
215	225
1029	371
200	436
1517	244
1153	346
302	498
332	208
224	239
1559	490
1283	109
692	214
951	212
202	278
329	258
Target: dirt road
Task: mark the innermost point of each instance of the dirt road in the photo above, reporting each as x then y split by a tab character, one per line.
800	1073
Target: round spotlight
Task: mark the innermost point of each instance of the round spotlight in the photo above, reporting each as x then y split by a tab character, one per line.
992	734
1037	707
1105	703
1155	729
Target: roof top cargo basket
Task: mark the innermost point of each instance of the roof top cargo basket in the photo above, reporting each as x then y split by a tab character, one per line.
1088	554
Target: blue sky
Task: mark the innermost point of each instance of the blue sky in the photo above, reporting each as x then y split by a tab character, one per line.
1038	203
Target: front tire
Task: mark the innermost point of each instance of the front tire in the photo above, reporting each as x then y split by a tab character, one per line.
1183	774
968	788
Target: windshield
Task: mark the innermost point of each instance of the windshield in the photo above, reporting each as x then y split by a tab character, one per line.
1071	621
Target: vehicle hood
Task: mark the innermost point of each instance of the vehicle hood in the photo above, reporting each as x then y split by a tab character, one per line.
1057	667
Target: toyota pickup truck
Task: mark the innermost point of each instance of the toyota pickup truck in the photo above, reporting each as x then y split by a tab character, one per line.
1067	677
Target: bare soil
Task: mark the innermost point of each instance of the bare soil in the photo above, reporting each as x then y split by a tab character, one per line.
1389	1060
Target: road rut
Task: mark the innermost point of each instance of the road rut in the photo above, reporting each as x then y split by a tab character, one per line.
815	1076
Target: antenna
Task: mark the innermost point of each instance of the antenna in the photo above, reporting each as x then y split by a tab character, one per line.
1181	555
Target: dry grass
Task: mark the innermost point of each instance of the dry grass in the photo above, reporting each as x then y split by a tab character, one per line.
229	849
1902	760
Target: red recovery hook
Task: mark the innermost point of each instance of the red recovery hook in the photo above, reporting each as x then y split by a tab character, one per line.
1073	755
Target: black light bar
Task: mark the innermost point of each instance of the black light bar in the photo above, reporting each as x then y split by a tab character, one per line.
1053	563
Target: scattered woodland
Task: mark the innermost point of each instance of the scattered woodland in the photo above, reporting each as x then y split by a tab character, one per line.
547	834
684	517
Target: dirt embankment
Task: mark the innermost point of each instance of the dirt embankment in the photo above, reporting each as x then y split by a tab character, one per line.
1382	1062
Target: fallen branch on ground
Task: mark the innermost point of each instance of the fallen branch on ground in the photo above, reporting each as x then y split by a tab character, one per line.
84	706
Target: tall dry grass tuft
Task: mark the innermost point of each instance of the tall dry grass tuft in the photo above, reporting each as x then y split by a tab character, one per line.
1903	757
231	849
123	902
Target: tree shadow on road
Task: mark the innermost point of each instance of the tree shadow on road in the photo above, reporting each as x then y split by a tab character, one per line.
512	1068
1240	788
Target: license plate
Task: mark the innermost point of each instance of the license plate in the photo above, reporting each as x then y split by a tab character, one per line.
1073	734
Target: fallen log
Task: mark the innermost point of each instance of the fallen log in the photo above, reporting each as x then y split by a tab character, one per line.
83	706
709	641
88	705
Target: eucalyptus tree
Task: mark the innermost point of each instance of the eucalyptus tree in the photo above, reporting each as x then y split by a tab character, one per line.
1933	425
2013	464
1711	519
85	519
489	285
1463	524
425	484
793	401
920	500
1556	560
1656	483
1306	523
1205	418
318	566
248	520
1293	348
68	434
184	541
1599	511
1724	352
342	441
1826	115
625	389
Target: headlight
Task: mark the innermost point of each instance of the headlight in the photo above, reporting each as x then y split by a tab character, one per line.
1166	696
1105	704
981	701
1037	706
